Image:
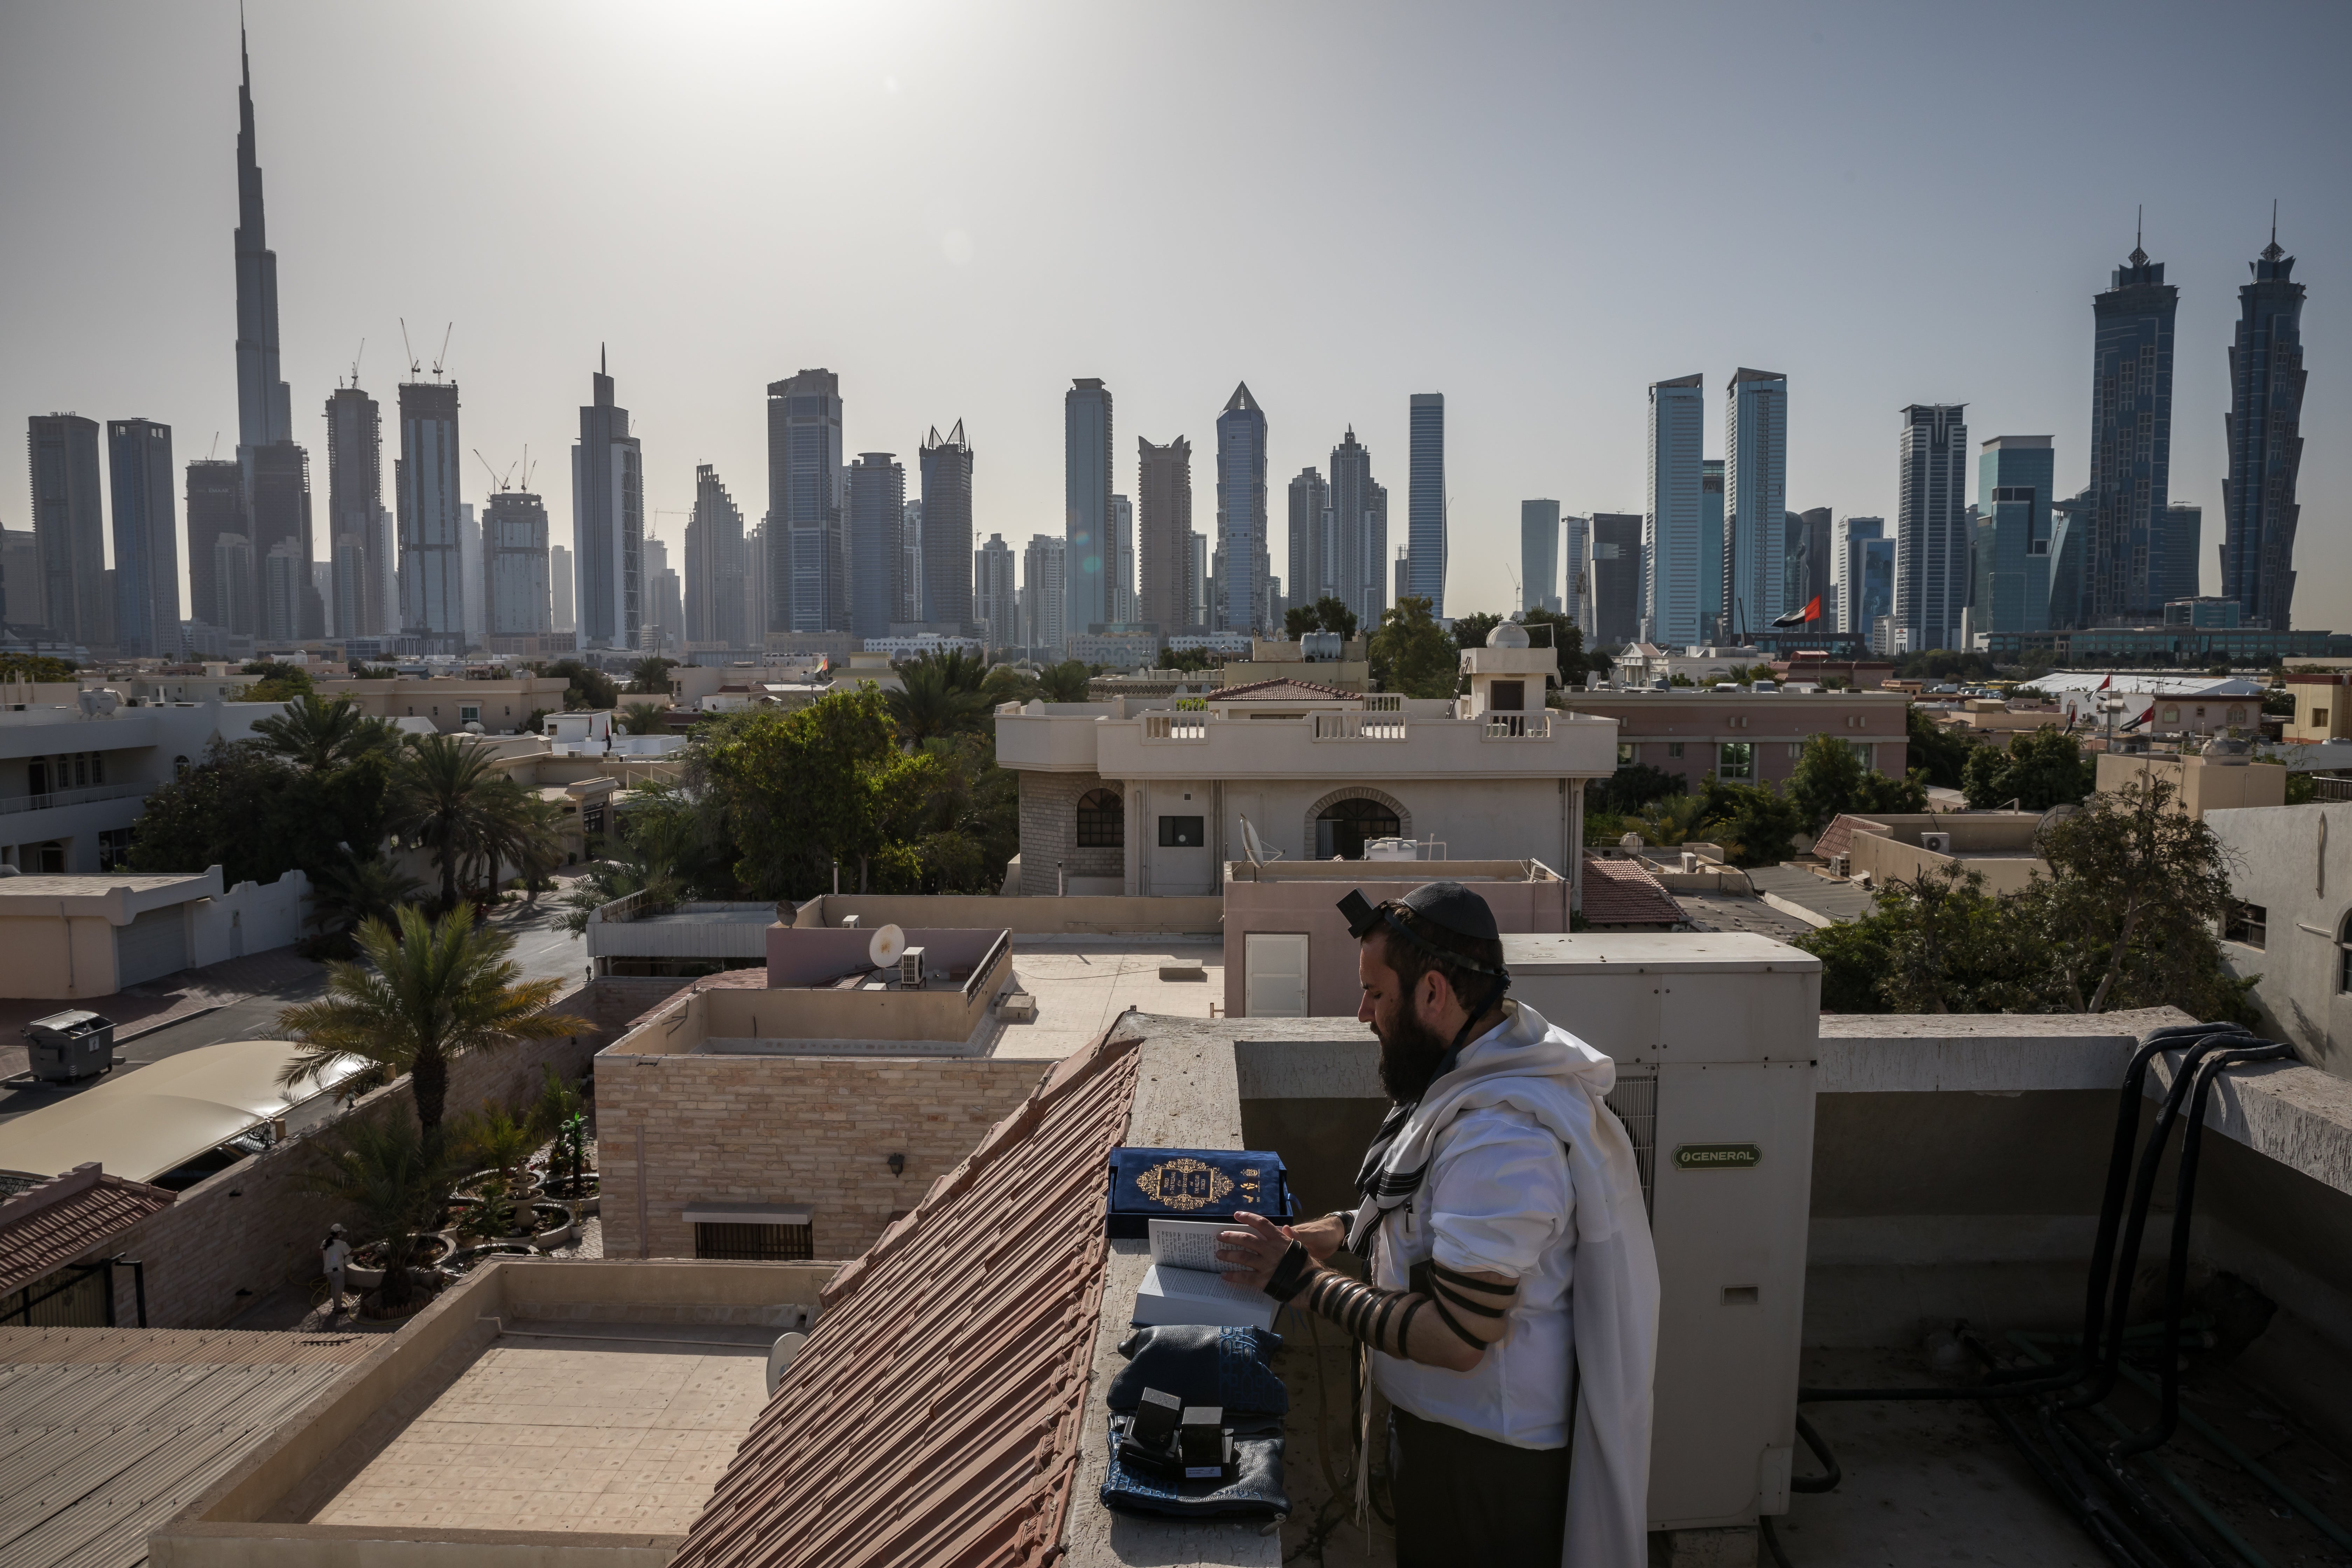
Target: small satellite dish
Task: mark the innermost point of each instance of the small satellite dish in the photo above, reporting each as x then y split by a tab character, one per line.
1254	848
888	943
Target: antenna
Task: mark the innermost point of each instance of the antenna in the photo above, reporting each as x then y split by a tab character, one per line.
443	354
413	365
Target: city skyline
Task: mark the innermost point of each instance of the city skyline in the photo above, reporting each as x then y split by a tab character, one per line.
2006	339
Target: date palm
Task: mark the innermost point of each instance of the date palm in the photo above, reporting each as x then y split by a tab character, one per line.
449	795
316	733
424	993
394	1179
940	695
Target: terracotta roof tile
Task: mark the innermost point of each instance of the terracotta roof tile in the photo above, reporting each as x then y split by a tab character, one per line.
47	1226
1619	893
1282	691
933	1416
1837	839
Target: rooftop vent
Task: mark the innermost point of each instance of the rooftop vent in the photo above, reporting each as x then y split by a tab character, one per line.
911	970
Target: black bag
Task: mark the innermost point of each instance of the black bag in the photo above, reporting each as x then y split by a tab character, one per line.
1201	1364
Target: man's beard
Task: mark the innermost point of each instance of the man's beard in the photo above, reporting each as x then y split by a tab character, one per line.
1409	1052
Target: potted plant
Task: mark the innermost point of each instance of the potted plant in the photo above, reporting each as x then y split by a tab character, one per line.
394	1177
561	1114
502	1142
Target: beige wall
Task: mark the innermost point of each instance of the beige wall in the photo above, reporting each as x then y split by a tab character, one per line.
1891	859
2199	787
1090	915
1311	906
817	1130
69	958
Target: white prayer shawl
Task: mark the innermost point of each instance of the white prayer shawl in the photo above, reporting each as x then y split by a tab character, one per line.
1546	1072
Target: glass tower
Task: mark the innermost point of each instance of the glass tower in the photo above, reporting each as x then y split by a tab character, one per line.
2131	443
2264	428
1671	564
1755	500
1426	539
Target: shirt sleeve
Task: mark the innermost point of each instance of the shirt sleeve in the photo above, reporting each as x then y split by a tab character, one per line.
1502	1194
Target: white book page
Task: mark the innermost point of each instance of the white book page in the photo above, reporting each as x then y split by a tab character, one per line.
1201	1285
1187	1244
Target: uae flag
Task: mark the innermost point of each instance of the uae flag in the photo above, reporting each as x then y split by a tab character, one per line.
1806	617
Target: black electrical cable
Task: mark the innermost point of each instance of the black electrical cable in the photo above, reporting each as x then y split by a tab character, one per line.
1831	1475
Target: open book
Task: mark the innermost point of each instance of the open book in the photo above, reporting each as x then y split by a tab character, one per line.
1185	1283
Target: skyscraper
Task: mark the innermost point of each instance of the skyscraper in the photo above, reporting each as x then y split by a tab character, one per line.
1539	555
355	497
878	505
426	477
215	506
2184	528
1241	513
1085	502
146	539
2009	587
910	561
473	570
1310	526
2264	430
514	537
234	576
285	584
664	615
1425	534
946	463
561	582
2131	443
996	593
1931	534
1122	554
1166	580
1712	575
1617	577
1576	553
1809	576
1671	566
276	471
608	521
714	566
21	605
1755	500
70	520
804	544
1359	531
1196	562
1848	608
1044	587
2070	545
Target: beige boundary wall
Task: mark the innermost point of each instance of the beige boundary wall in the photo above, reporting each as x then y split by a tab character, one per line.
256	1516
1089	914
243	1232
677	1129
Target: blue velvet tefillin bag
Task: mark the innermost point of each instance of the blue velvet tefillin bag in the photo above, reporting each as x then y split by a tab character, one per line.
1201	1366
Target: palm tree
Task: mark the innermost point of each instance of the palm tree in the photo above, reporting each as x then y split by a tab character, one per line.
562	1113
347	894
1064	683
394	1177
429	992
503	1141
651	673
316	733
940	697
641	719
446	796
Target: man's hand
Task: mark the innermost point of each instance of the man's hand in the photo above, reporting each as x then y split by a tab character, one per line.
1323	1236
1254	1250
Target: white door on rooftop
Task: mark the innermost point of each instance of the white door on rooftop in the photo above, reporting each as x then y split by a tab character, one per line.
1274	968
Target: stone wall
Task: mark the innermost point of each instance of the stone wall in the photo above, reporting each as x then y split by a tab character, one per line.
817	1130
1049	833
246	1231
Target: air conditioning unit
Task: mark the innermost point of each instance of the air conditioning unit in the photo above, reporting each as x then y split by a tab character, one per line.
911	970
1714	1038
1841	865
1935	843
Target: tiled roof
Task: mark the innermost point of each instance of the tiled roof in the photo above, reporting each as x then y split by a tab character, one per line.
1282	691
47	1226
932	1418
1837	839
1619	893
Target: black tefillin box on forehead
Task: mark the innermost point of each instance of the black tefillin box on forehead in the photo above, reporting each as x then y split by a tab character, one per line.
1194	1184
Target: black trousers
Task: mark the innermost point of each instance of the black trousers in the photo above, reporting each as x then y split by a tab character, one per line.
1461	1497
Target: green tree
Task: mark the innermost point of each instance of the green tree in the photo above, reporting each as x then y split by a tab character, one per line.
1854	961
941	695
279	683
1830	779
257	816
585	686
640	719
317	734
1679	678
1411	654
357	891
651	674
1633	787
1942	754
1549	628
449	796
37	667
1470	631
2039	770
1191	660
495	1139
393	1178
1755	823
426	992
1008	683
803	790
1064	683
1328	614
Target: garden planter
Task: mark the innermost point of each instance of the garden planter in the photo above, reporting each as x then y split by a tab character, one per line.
463	1261
431	1249
551	1226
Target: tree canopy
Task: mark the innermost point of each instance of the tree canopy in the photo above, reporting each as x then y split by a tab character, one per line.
1831	778
1411	654
1328	614
586	686
2045	768
1939	753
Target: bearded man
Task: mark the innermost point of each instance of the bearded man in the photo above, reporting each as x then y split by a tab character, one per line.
1512	1307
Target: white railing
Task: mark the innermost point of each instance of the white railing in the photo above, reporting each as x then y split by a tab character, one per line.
1358	726
1175	726
1384	702
73	796
1518	727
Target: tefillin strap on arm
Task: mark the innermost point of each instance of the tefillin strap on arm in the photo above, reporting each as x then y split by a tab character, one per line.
1384	1319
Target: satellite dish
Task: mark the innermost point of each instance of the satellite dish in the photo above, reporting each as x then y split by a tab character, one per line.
781	1356
1254	848
885	948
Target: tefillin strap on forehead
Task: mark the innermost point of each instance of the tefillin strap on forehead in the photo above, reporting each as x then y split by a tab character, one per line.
1396	916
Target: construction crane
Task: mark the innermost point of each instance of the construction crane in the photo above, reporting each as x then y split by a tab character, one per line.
439	359
414	364
496	478
355	361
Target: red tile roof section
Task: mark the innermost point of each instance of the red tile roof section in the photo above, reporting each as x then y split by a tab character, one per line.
45	1227
932	1419
1282	691
1837	839
1619	893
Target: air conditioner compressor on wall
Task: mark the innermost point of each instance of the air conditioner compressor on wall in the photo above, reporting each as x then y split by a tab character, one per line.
1714	1037
1935	843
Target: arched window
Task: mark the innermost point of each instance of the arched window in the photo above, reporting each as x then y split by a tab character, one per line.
1343	827
1102	820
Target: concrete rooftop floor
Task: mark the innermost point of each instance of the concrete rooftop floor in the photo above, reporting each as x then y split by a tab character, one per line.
611	1427
1081	985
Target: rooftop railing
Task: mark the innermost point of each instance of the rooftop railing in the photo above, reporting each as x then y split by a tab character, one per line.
57	797
1358	726
1175	726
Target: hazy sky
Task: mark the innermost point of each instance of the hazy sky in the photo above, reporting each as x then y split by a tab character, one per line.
1537	211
